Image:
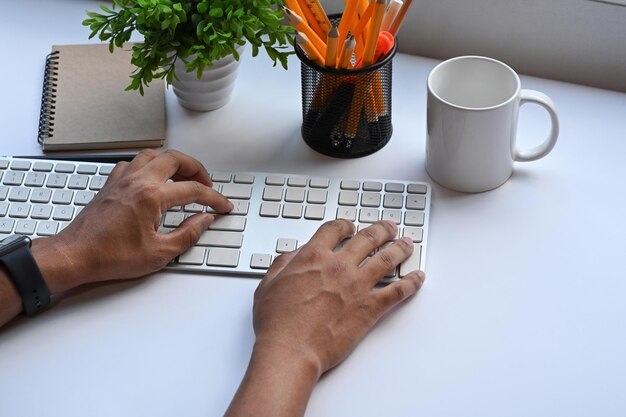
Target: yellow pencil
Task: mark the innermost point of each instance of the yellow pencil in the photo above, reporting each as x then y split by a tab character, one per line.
310	19
372	35
308	47
357	32
400	17
295	7
360	41
347	19
346	55
331	47
301	26
320	15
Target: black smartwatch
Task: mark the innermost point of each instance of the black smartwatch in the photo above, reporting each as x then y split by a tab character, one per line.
23	271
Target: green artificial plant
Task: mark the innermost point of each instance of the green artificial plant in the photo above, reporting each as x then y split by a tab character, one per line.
197	32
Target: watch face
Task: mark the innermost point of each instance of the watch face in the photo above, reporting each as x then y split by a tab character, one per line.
12	243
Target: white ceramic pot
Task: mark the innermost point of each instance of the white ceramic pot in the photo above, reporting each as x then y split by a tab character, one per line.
213	90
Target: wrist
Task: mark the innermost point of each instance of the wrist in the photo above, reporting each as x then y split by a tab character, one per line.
287	355
60	269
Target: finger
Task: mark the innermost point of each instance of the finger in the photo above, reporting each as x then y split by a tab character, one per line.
279	264
186	235
368	239
141	160
398	291
331	233
118	171
186	192
386	260
176	164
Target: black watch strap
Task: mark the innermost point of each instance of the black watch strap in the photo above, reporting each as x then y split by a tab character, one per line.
23	271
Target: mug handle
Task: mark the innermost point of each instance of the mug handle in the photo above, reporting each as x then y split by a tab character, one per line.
532	96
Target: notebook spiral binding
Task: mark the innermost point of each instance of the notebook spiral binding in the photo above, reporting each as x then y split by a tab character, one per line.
48	97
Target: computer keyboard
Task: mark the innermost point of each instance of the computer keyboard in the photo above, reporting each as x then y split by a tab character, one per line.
274	213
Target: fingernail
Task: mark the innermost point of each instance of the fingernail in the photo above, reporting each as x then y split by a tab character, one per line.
408	241
421	275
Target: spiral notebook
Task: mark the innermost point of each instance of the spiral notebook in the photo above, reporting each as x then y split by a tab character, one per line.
84	105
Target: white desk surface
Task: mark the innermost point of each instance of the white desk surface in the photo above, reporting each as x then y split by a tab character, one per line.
522	313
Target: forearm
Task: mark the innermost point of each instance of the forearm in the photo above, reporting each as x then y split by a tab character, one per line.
278	383
58	271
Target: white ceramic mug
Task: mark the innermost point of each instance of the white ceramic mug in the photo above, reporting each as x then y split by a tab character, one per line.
472	113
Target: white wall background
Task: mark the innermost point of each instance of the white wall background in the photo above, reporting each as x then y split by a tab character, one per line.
580	41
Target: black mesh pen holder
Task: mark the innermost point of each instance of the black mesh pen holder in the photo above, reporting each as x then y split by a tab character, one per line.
346	113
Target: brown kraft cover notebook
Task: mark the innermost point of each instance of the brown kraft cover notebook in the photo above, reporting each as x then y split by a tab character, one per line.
84	105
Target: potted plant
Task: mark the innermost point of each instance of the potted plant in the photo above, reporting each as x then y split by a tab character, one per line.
184	41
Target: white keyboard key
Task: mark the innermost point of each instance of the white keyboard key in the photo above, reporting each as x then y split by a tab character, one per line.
97	183
41	212
416	189
87	169
4	208
370	200
260	261
392	215
78	182
415	202
240	207
297	181
20	165
317	196
4	192
19	194
35	179
41	195
232	223
83	198
348	198
295	195
47	228
368	215
286	245
413	262
274	180
19	210
393	201
25	227
173	219
318	183
43	166
244	179
56	180
63	213
347	213
221	238
415	233
221	177
239	191
292	211
350	185
394	187
6	225
372	186
4	164
13	178
414	218
64	168
223	257
314	212
106	170
272	193
62	197
194	256
193	208
270	210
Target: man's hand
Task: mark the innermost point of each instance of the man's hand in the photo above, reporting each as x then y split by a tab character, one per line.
116	235
311	310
